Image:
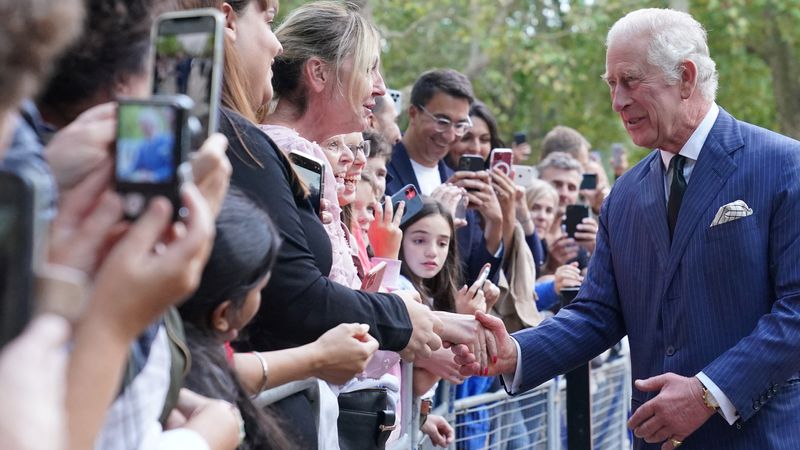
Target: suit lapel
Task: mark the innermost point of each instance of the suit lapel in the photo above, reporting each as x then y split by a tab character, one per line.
713	168
654	208
401	164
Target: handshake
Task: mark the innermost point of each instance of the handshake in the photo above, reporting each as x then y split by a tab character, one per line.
480	343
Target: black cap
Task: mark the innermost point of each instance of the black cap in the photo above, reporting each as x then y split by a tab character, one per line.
520	137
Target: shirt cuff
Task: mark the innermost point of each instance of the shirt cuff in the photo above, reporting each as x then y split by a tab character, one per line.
499	251
726	408
514	379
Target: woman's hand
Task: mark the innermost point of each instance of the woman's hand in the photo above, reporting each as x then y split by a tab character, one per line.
342	352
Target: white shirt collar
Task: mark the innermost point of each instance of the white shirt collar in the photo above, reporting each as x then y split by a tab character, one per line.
691	149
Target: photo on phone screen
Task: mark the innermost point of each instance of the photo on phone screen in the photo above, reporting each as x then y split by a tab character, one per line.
152	142
16	254
187	59
310	169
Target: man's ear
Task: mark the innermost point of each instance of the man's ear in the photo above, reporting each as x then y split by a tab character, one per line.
688	79
317	74
219	317
230	21
412	113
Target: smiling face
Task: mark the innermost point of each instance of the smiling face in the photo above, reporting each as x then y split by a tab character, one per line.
476	141
256	46
651	109
339	157
425	145
425	245
566	183
353	97
354	143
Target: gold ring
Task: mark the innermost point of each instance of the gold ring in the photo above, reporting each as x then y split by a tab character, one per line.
675	443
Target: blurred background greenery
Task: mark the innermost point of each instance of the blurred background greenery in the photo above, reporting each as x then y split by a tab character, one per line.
537	63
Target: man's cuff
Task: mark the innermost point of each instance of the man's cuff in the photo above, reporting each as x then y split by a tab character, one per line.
514	379
726	408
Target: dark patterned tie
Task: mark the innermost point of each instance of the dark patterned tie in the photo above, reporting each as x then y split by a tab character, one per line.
676	191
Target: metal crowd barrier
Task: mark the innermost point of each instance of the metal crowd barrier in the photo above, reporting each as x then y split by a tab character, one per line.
537	419
534	420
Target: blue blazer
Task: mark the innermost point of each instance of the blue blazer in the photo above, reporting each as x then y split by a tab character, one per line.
471	243
724	300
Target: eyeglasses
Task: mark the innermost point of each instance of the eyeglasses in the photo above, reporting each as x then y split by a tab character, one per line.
364	147
335	146
442	124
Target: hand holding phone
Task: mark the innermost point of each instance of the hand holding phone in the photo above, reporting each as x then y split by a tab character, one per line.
575	215
471	163
500	159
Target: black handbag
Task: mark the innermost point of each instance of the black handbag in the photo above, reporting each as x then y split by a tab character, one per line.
365	422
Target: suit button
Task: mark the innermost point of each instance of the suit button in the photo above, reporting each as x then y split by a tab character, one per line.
670	350
763	399
756	405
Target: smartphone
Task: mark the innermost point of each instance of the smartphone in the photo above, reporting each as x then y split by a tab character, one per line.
589	181
373	279
575	215
311	170
484	275
524	175
152	142
412	199
187	59
520	137
500	159
568	294
17	206
471	163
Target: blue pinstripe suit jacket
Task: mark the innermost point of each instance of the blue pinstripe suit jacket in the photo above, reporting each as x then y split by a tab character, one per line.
724	300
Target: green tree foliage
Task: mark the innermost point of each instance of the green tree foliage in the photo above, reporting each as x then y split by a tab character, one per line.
537	63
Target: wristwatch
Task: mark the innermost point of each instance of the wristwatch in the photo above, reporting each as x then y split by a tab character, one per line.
709	400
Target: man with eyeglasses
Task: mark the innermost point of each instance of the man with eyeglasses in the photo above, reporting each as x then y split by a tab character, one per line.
438	115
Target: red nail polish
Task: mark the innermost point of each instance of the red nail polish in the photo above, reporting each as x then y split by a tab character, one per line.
494	359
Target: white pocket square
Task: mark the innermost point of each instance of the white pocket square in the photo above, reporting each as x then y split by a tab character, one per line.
730	212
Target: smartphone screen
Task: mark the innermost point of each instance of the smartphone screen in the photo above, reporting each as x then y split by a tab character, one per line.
589	181
188	60
310	169
575	215
152	142
145	144
16	255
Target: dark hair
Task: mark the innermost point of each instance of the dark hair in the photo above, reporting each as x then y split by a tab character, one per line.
479	109
442	288
245	247
449	81
34	32
114	46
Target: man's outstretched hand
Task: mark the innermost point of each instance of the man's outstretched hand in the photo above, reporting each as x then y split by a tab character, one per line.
501	350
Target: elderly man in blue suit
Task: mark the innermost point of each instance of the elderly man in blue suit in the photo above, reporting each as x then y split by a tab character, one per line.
696	260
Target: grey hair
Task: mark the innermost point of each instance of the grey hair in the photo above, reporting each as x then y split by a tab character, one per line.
560	160
675	36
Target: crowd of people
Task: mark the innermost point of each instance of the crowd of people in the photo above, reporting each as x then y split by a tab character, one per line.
159	331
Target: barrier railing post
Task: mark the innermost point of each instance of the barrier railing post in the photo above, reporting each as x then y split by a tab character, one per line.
553	416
